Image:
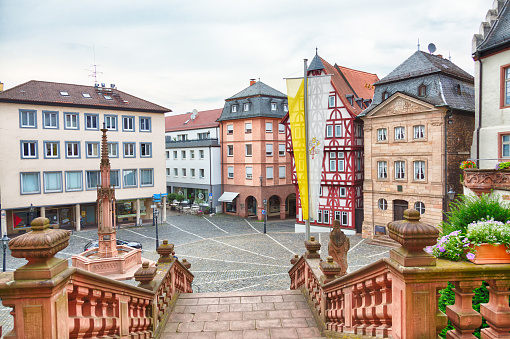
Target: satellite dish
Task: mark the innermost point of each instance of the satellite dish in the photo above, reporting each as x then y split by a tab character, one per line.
194	114
432	48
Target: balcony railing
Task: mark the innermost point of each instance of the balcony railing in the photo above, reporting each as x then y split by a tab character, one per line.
170	143
485	180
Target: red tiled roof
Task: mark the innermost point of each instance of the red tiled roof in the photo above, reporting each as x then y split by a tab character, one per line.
203	119
49	93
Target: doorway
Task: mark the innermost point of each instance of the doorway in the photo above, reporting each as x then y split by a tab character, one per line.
399	206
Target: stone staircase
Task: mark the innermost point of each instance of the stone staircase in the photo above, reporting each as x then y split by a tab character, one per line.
384	241
242	315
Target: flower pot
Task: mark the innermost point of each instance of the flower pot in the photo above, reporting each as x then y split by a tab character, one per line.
491	254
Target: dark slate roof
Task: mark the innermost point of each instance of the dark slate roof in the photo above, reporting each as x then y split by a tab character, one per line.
441	86
259	96
420	64
258	88
182	122
48	93
500	31
316	64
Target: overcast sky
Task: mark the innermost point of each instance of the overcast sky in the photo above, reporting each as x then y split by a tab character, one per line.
194	54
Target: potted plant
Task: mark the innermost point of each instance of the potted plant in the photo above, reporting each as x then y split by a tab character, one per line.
503	165
452	246
489	241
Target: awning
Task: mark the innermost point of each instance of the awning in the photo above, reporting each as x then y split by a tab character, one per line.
228	196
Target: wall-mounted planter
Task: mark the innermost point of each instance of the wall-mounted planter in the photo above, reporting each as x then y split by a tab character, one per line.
491	254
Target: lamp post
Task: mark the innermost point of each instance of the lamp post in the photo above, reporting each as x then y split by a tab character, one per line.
156	212
30	215
451	194
265	214
5	240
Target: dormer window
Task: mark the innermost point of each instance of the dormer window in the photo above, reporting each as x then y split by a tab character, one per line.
64	93
422	91
233	109
350	98
458	90
359	101
285	108
246	107
273	106
86	95
385	95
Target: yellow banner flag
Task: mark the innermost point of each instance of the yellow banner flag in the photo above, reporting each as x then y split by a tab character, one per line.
295	96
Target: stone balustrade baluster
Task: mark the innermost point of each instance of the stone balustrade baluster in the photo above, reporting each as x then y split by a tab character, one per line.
383	309
497	311
371	311
98	323
133	324
356	308
464	319
365	305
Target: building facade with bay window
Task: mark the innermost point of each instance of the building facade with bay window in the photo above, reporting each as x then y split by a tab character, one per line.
50	155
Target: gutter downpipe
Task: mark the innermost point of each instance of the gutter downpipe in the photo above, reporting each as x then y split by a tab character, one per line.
479	112
305	78
445	196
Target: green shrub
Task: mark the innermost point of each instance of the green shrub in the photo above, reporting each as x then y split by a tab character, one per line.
470	208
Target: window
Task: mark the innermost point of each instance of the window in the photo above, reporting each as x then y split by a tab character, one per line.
332	161
281	172
400	133
192	172
382	170
74	181
233	108
28	119
338	131
183	154
72	149
230	170
269	127
176	172
86	95
273	106
385	95
192	154
506	86
419	132
326	217
146	177
30	183
419	170
129	149
329	131
358	161
248	149
91	121
110	122
168	171
168	154
204	136
382	134
420	207
113	149
337	215
129	178
115	178
269	172
230	150
145	124
92	149
505	146
343	192
51	149
107	97
146	149
50	120
320	191
183	172
92	179
281	128
382	204
71	121
249	172
182	137
230	129
319	216
128	123
64	93
29	149
247	127
341	162
281	150
400	169
331	101
52	182
201	154
175	154
422	91
345	218
285	108
201	173
269	150
246	107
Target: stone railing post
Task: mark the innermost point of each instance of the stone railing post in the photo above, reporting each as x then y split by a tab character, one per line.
408	297
37	291
145	275
165	252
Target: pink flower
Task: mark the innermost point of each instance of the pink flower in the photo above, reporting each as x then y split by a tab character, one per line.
470	256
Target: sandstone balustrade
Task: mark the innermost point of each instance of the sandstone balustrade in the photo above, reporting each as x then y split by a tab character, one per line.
483	181
398	296
51	300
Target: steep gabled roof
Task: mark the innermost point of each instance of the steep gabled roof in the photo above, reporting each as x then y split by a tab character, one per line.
49	93
183	122
499	32
258	88
420	64
316	64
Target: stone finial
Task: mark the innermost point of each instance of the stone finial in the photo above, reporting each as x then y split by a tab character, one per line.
145	275
312	246
186	264
294	260
39	247
414	236
330	269
165	251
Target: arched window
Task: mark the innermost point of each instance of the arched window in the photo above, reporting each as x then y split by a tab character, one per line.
383	204
385	95
420	207
422	91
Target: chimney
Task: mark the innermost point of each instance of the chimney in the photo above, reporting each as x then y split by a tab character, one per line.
440	56
1	86
252	82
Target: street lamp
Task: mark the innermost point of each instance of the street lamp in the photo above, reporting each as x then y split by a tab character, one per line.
265	214
156	212
451	194
5	240
30	215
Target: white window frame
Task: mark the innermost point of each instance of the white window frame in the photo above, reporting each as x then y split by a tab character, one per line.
269	127
382	170
126	172
201	173
419	132
420	207
145	124
30	117
201	154
419	170
337	215
192	154
53	147
341	162
71	121
248	148
192	172
37	175
400	133
382	134
382	204
129	150
332	101
281	150
50	120
269	150
230	150
233	108
281	172
326	217
145	150
184	172
273	106
92	149
338	131
249	172
91	121
400	170
281	128
128	123
230	129
87	180
344	218
46	177
246	107
247	127
113	149
175	154
68	181
343	192
230	172
75	149
269	172
176	172
110	122
329	131
183	154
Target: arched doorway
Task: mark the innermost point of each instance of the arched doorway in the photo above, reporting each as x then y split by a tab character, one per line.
290	204
251	206
273	206
399	206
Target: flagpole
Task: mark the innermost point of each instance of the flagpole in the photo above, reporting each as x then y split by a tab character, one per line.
307	222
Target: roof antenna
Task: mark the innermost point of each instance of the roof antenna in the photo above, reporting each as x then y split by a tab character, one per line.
316	51
449	56
94	71
418	43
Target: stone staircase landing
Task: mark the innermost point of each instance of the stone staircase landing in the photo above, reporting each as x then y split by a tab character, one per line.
242	315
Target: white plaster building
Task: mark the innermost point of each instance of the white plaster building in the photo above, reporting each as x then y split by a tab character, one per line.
193	157
50	155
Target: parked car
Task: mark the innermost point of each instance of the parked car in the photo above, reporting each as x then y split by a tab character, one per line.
95	243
